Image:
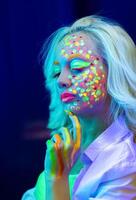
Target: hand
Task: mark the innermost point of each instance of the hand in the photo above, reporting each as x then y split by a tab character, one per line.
62	149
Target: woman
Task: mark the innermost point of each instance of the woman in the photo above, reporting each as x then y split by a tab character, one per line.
91	75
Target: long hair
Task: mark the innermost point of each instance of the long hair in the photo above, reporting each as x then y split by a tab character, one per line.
117	49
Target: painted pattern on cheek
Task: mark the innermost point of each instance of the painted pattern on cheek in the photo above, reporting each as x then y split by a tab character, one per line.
89	85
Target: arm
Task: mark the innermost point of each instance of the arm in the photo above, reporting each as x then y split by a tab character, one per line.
58	189
43	191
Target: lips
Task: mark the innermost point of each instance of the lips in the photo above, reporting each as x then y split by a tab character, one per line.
67	97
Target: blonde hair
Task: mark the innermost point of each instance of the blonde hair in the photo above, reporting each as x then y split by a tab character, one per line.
117	49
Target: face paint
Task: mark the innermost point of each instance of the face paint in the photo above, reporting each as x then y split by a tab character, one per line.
89	85
88	72
79	64
75	45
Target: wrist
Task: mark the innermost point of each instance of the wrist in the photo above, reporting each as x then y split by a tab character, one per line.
61	188
57	187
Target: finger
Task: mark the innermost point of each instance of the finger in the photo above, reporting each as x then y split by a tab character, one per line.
67	144
57	140
66	137
76	129
64	134
59	155
76	134
51	160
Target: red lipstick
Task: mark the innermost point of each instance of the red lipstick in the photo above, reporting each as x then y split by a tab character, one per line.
67	97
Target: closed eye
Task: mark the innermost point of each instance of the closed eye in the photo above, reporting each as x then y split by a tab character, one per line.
77	70
56	71
78	64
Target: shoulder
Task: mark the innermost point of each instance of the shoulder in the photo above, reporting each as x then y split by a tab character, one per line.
40	187
29	195
119	160
115	160
38	192
113	165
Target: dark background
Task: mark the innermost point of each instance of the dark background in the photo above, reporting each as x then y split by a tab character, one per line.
24	25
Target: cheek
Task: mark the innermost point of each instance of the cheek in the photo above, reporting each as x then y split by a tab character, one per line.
90	87
96	88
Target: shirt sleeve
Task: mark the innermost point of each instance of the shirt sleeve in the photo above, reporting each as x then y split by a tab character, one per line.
119	189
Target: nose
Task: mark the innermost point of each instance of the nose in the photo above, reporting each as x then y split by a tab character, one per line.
63	79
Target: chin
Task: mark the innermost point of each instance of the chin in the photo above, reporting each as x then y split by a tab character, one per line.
81	111
86	111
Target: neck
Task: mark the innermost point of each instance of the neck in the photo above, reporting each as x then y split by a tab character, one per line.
92	128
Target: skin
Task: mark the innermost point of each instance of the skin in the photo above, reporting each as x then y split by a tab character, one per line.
79	69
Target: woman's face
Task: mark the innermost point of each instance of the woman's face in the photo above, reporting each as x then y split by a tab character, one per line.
81	75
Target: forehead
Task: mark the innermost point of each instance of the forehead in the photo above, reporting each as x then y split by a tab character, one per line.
77	43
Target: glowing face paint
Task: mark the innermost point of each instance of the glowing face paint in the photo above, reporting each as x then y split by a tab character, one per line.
88	73
75	45
90	84
59	156
79	64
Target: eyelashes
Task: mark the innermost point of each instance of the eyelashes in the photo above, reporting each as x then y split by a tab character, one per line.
74	71
77	70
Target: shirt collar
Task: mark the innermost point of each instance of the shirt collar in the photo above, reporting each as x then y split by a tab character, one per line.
113	134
